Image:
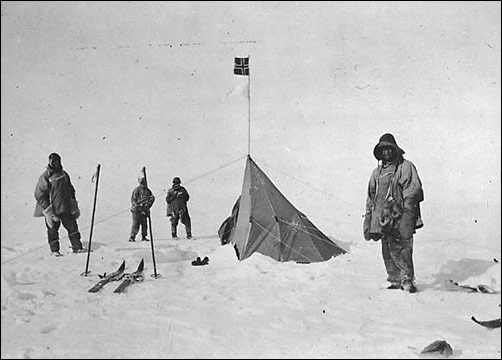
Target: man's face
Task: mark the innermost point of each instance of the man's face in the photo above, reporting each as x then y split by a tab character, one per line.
55	164
388	153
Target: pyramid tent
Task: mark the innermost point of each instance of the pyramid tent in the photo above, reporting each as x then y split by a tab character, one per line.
264	221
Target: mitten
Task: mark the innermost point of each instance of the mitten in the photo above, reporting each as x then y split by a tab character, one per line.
74	210
407	224
409	203
50	217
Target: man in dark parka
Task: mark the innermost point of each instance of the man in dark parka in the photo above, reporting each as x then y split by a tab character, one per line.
56	201
177	198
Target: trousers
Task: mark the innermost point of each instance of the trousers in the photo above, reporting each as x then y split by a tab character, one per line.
139	220
185	220
70	224
398	258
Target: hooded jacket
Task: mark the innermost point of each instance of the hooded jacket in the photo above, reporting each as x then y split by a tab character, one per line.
142	199
54	187
405	187
177	198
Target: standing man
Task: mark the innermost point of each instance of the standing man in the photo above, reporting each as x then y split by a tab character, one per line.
393	211
56	201
177	198
142	200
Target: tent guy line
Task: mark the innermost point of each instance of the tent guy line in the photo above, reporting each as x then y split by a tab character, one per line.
83	229
202	176
311	186
286	245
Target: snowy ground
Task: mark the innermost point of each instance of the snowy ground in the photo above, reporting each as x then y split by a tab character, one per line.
258	308
133	84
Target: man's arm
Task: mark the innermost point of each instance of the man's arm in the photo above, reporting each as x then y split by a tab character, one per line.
411	186
42	192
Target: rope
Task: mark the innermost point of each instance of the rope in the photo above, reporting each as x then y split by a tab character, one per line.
279	241
116	214
301	228
435	238
356	206
313	187
214	170
219	168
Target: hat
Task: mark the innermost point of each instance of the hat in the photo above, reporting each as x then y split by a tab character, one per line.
54	156
176	180
386	140
53	160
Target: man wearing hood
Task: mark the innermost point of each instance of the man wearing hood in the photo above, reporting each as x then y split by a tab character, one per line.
142	200
56	201
393	211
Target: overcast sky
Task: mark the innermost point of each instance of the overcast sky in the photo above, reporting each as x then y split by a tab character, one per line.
151	84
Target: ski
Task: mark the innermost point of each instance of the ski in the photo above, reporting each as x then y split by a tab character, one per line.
491	324
116	275
133	277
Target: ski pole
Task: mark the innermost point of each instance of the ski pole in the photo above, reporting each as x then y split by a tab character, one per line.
155	275
92	220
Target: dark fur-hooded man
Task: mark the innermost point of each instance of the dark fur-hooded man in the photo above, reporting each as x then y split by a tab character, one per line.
394	183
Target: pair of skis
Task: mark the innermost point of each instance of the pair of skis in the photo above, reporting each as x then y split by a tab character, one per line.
127	278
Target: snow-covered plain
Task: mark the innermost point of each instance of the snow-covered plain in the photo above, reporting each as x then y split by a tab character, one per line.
133	84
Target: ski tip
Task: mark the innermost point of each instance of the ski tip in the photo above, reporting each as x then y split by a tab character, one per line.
490	324
141	265
122	266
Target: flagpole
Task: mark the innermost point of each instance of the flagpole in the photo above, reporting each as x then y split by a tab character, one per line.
249	108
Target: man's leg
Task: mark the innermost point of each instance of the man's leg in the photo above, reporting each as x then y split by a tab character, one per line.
393	271
174	225
70	224
404	260
402	253
144	227
134	227
185	220
53	236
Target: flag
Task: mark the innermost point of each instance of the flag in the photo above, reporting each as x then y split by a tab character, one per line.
240	90
241	66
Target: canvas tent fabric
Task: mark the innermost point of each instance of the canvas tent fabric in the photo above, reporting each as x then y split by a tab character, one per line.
264	221
228	225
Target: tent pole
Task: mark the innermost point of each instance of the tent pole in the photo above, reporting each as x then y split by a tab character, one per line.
249	111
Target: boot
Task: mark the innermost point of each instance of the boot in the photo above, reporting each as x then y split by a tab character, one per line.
409	286
393	286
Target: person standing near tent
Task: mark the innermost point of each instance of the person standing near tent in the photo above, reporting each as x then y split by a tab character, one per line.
142	200
393	211
177	198
56	201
